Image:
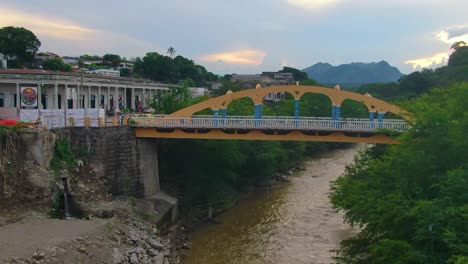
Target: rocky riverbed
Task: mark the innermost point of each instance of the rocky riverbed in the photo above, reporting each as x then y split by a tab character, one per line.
124	238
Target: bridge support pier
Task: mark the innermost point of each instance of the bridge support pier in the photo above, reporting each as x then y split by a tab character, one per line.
149	166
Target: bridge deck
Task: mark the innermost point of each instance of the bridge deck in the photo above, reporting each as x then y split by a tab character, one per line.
272	123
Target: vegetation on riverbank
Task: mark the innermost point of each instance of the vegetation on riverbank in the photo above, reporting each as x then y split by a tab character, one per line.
410	200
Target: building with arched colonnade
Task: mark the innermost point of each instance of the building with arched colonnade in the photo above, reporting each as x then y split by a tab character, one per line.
63	90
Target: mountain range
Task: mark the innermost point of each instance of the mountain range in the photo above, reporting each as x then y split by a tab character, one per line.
353	74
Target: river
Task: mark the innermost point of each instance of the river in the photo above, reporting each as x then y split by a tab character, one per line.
287	223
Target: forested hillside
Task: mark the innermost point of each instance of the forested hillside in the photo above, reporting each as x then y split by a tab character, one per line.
419	82
353	74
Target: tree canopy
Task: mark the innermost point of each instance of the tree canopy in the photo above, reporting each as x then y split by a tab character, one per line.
19	43
166	69
56	64
112	60
298	74
410	200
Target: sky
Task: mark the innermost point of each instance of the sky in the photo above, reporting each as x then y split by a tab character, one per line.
249	36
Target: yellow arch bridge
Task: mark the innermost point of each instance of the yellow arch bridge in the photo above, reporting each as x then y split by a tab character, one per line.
184	124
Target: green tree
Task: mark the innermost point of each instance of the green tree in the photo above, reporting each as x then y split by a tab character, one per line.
111	60
309	82
410	200
18	43
298	74
459	57
458	45
124	72
56	64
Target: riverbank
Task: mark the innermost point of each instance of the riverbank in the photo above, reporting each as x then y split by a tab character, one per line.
123	238
284	223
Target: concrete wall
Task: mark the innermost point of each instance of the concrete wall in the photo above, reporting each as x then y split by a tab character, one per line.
38	146
130	165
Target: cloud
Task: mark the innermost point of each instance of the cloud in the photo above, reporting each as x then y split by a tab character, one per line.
61	36
453	34
434	60
311	4
248	57
44	25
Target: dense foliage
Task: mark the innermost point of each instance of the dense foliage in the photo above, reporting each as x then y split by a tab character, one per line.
19	44
56	64
411	200
167	69
298	74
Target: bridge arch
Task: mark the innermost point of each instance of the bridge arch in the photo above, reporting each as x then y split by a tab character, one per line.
336	96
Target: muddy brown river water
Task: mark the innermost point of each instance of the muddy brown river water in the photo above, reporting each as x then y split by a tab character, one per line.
291	223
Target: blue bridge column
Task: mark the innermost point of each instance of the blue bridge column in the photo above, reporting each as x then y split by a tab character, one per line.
223	114
257	114
333	112
380	116
215	114
371	119
338	116
296	112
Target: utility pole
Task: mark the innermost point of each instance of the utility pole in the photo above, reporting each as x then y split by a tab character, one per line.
84	106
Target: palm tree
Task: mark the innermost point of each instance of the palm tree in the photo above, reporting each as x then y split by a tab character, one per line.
171	51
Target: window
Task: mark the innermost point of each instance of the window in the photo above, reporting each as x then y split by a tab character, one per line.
93	101
2	100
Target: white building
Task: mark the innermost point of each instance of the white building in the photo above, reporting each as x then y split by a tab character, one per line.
70	60
126	65
105	72
198	91
52	90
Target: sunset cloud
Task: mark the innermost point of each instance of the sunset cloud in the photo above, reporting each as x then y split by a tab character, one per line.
249	57
453	34
436	59
70	38
45	26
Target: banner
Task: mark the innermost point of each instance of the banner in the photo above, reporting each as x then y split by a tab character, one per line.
29	96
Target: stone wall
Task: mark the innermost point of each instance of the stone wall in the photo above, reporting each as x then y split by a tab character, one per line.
129	164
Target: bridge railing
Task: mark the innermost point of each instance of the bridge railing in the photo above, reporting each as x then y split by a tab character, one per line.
272	123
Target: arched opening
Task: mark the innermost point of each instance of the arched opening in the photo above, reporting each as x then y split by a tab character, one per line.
389	115
44	101
128	96
93	101
204	112
241	107
2	100
282	104
353	109
315	105
59	99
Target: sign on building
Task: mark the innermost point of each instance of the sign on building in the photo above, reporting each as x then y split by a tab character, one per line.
29	96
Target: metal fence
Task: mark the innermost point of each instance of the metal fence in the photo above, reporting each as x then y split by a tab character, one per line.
277	123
